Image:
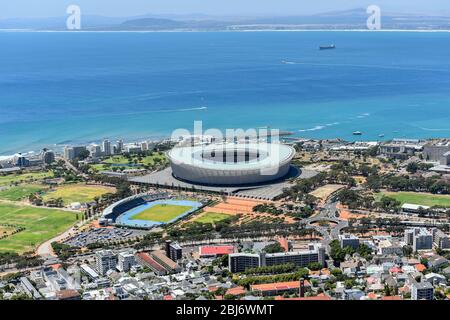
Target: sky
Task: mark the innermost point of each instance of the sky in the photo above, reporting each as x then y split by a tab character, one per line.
125	8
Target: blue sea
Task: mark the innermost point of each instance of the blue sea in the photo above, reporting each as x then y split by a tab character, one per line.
69	88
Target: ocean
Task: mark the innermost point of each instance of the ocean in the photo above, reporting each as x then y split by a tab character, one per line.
60	88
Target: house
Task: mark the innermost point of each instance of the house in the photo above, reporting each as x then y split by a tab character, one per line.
435	261
435	278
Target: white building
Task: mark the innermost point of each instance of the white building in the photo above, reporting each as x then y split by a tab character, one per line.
125	261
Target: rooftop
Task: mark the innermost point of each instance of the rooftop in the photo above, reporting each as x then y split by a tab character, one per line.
215	250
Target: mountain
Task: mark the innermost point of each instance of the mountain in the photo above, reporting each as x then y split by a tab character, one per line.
336	20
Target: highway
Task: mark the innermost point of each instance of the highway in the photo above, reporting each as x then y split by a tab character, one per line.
327	213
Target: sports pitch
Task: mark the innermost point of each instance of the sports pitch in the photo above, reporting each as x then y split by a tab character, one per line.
40	225
157	213
161	212
77	193
424	199
212	217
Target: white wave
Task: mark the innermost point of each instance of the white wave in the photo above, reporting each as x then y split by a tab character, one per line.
312	129
434	129
3	158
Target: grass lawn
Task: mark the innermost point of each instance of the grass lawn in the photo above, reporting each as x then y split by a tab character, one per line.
24	177
77	193
40	225
20	192
211	217
161	212
425	199
120	161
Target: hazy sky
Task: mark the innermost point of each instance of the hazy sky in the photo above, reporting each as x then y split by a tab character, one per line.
49	8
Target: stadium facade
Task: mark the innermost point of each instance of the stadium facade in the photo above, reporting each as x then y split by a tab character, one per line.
231	163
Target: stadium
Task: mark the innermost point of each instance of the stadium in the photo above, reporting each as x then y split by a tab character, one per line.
147	211
231	164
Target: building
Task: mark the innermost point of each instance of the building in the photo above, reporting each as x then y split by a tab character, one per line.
88	271
71	153
160	257
408	208
173	251
119	146
105	260
278	288
445	159
435	151
125	260
349	240
239	262
21	161
231	163
106	147
68	294
422	291
440	239
215	251
48	156
401	148
95	150
144	259
419	238
29	288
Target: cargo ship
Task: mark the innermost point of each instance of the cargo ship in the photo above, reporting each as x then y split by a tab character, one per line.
331	46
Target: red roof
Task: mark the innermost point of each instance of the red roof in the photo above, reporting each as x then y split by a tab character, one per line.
216	250
150	261
278	286
168	297
395	270
284	243
391	298
420	267
321	296
236	291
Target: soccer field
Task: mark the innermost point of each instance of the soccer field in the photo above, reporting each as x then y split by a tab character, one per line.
20	192
40	225
161	212
212	217
424	199
77	193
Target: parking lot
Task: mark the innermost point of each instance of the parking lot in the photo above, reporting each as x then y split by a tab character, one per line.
103	235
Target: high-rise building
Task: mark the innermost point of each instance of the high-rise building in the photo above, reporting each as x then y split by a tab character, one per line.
239	262
71	153
349	240
21	161
173	250
119	146
422	291
419	238
95	150
48	156
106	147
105	260
440	239
125	261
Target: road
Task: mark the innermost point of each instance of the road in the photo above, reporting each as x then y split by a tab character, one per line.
327	213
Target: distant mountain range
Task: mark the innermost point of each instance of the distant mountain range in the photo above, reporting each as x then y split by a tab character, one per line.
337	20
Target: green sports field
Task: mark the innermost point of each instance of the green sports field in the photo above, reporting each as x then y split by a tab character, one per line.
425	199
161	213
20	192
40	225
77	193
24	177
211	217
